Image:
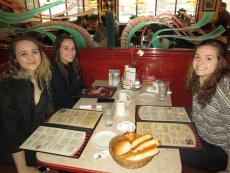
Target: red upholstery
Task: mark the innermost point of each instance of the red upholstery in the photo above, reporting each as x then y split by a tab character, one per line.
168	65
171	65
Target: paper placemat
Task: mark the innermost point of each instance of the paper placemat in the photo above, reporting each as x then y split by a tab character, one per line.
76	118
161	113
176	135
56	141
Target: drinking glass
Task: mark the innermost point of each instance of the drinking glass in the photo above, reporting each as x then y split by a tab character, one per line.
162	91
108	114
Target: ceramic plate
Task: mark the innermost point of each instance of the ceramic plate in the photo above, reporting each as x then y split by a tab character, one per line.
146	97
101	139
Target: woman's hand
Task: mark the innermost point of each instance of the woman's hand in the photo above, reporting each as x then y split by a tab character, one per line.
20	162
29	169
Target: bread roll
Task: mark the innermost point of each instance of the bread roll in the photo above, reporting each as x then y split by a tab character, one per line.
141	155
140	140
121	147
130	136
147	144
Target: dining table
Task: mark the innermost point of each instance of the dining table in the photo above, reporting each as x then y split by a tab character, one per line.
167	161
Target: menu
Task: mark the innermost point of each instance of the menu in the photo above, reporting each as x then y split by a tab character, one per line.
171	125
99	92
55	140
169	134
162	113
65	133
76	117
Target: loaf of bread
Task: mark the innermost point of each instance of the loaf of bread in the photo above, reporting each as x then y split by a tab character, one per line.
140	140
122	147
141	155
148	144
130	136
135	147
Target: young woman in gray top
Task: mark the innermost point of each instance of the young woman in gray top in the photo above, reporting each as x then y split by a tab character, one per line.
209	83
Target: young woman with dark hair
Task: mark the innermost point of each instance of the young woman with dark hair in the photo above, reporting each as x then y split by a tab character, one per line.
209	83
66	72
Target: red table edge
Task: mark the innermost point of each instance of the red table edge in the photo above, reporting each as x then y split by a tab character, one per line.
66	168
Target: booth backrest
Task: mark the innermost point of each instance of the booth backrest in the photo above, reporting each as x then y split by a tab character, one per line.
171	65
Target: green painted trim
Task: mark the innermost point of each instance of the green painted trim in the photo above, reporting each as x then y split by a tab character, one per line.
81	43
136	28
15	30
217	32
13	18
51	36
76	35
203	21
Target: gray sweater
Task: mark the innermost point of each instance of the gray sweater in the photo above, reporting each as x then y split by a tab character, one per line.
213	121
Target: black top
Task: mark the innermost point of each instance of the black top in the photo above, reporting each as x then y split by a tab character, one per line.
224	20
37	119
19	116
65	92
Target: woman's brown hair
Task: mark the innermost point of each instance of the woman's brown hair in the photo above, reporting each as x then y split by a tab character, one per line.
56	57
208	89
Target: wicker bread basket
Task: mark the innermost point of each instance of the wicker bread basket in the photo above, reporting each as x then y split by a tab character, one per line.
123	162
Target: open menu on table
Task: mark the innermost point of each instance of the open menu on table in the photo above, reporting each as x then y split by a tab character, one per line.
65	133
161	113
99	92
55	140
75	118
171	125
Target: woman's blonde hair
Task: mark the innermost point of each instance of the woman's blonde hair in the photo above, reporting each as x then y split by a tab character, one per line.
42	73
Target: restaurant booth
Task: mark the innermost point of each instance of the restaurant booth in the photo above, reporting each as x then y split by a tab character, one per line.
168	64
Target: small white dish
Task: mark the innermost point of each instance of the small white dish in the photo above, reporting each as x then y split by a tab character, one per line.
126	126
101	139
137	84
146	97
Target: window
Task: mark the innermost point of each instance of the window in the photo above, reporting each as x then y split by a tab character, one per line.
228	4
166	6
80	6
126	10
188	5
44	13
153	7
146	9
57	9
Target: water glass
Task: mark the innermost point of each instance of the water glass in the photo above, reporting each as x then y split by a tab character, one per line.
108	114
121	108
122	95
162	91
